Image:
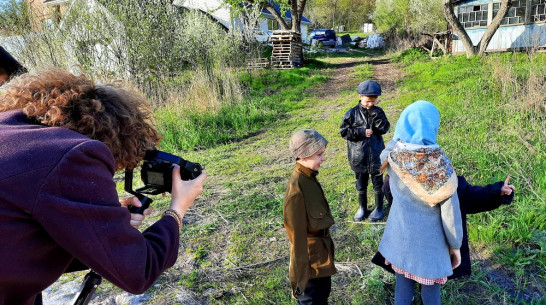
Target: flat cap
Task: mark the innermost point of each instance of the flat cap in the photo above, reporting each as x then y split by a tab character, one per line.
369	88
306	142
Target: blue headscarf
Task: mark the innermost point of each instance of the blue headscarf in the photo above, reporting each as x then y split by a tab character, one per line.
418	124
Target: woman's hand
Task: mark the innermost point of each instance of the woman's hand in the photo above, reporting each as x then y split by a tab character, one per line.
184	192
136	219
455	256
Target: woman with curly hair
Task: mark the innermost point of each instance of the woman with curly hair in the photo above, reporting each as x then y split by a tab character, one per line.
62	138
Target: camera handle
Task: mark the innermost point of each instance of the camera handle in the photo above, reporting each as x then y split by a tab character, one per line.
129	189
92	280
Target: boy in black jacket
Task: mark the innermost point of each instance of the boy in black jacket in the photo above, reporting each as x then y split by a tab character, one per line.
363	127
473	199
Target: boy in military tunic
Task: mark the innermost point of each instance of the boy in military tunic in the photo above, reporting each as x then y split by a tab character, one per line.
307	219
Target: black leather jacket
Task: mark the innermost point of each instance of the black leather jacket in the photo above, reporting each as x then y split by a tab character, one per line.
364	152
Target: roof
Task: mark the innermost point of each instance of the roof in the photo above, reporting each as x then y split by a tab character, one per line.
287	14
54	2
459	1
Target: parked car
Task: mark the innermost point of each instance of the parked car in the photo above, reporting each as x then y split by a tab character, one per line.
324	37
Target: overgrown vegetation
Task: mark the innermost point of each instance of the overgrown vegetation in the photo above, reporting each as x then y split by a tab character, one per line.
406	17
177	58
236	250
349	14
270	93
237	123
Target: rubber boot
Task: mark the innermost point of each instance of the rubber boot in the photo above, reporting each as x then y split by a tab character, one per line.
377	214
362	211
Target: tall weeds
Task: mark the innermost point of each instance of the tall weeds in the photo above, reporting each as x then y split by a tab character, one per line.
521	81
185	62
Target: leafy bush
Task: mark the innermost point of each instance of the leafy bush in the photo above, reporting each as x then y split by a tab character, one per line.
408	16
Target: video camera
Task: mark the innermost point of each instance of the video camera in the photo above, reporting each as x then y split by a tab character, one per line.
156	173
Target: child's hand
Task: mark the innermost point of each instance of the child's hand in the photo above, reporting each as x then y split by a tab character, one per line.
368	133
507	188
455	256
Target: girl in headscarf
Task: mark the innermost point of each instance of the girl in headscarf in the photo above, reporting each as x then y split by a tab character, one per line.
423	233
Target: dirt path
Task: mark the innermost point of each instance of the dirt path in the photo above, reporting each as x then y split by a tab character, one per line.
385	72
342	79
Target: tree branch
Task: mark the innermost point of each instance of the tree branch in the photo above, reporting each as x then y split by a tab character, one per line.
277	16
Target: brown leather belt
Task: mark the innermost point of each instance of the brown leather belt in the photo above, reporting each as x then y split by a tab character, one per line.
321	233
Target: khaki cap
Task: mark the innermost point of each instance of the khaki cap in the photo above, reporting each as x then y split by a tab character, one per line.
306	142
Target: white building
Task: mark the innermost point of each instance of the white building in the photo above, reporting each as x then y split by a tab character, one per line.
222	13
524	26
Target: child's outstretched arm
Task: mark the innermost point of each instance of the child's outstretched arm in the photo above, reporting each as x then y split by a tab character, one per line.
385	154
476	199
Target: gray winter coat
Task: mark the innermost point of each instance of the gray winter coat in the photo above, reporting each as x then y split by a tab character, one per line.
425	220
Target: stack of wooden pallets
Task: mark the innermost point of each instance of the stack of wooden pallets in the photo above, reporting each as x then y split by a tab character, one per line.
287	50
257	63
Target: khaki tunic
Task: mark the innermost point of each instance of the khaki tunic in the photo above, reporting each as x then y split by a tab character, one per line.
307	219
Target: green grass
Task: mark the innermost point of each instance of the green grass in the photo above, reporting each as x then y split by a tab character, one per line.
489	132
488	128
354	33
269	94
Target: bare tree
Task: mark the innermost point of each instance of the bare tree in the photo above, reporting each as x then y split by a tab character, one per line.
480	48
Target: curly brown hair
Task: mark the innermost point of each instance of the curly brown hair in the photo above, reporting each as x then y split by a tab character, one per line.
118	118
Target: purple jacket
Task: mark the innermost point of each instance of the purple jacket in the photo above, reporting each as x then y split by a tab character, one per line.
58	202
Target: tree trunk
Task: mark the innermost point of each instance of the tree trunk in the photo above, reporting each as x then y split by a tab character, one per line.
297	6
296	19
459	29
492	28
463	35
